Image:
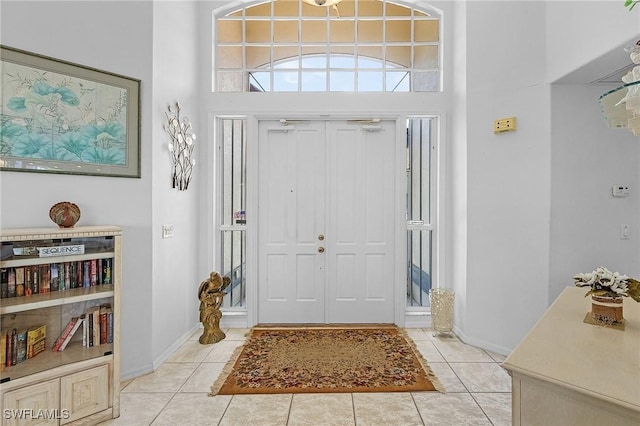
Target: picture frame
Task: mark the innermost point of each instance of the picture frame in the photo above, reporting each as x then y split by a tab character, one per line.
61	117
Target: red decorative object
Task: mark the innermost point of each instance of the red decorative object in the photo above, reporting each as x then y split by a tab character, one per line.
65	214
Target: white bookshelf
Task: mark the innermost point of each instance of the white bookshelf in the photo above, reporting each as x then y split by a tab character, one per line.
55	380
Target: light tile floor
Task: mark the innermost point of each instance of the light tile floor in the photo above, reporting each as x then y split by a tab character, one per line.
478	392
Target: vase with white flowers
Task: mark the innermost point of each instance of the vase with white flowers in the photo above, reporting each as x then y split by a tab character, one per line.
607	290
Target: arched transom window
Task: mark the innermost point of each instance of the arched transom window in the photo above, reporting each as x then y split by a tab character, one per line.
352	46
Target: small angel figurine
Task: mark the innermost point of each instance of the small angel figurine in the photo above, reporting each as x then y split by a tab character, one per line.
211	293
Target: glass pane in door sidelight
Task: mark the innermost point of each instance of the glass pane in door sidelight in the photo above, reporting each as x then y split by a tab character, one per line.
418	213
234	171
234	255
233	213
418	267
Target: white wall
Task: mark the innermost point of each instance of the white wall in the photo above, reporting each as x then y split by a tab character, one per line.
527	229
116	37
508	175
175	275
587	157
587	160
456	169
579	32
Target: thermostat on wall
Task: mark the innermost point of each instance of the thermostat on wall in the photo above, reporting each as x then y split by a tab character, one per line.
621	191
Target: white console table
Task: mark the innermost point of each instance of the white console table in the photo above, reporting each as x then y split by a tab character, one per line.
566	372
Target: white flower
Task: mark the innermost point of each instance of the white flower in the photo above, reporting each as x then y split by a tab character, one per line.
603	279
170	147
193	161
193	136
620	277
584	278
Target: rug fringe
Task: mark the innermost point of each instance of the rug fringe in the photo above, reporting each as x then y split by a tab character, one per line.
228	367
430	374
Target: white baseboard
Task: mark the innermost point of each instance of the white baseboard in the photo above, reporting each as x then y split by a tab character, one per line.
500	350
132	374
174	347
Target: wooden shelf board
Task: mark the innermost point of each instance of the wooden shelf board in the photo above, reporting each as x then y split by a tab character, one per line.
55	298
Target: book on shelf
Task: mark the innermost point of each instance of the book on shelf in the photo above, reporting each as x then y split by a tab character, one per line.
78	274
19	281
96	326
8	348
67	275
14	346
104	324
100	272
3	350
35	272
93	272
86	274
21	346
28	281
102	330
4	283
45	279
55	277
12	282
64	334
107	264
89	327
109	325
36	340
85	328
76	326
19	250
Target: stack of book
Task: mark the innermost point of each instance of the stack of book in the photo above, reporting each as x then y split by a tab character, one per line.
96	324
17	346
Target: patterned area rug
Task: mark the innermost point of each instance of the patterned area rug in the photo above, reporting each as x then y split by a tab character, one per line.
326	359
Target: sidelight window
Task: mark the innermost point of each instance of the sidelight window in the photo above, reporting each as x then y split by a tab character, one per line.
232	227
419	197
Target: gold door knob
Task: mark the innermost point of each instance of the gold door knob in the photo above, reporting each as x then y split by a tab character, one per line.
320	249
321	237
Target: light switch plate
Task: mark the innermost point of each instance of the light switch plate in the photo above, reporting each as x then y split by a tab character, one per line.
167	231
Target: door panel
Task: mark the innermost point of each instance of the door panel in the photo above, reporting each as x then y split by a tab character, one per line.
360	217
291	215
336	179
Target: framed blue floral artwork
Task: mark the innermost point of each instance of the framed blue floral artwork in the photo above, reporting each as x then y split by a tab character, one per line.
60	117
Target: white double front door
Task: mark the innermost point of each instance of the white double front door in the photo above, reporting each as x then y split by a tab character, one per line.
326	227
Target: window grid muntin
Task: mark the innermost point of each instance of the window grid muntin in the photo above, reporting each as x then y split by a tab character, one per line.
413	16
